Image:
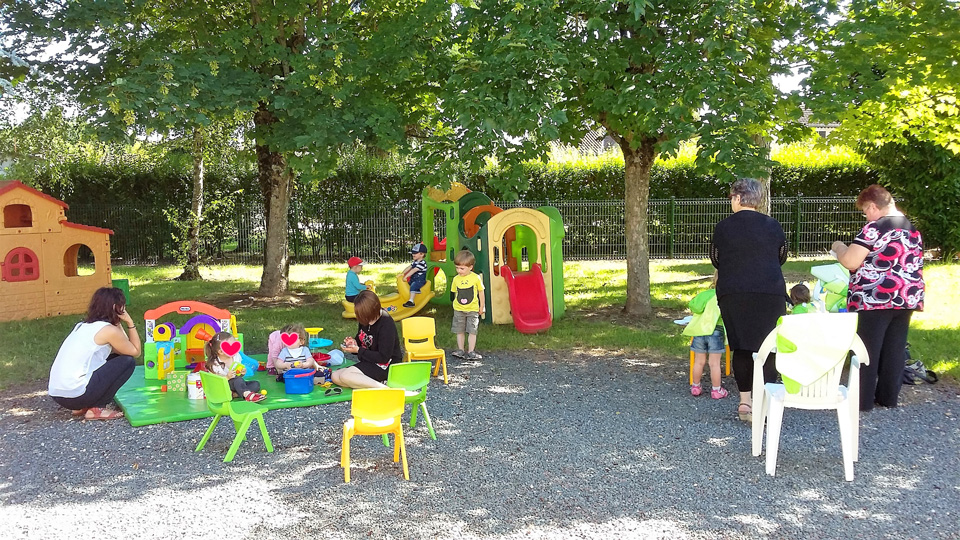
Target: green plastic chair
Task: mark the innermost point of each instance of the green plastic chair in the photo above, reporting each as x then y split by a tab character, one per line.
413	378
220	402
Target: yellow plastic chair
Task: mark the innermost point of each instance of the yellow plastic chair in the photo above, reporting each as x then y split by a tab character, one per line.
376	411
727	347
812	350
220	402
418	341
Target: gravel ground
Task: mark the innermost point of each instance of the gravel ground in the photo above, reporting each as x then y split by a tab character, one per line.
590	444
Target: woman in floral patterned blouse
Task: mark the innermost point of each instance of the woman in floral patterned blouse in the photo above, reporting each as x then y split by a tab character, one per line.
886	286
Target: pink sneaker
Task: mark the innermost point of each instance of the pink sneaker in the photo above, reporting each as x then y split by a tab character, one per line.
719	394
696	389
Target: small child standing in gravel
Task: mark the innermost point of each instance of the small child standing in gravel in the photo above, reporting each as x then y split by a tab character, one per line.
468	304
707	345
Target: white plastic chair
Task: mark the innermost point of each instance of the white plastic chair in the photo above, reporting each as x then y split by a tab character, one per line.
811	352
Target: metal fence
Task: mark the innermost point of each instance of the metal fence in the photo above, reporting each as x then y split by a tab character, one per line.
678	228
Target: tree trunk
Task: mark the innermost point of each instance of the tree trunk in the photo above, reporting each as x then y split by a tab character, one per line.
764	144
191	270
275	178
637	165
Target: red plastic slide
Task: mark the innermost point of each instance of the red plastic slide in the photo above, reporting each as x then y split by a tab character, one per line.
528	300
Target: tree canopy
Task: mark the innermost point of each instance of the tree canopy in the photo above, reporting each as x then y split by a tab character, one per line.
889	71
309	76
463	83
653	74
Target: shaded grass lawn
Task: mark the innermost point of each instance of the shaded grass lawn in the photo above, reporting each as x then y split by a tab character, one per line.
594	292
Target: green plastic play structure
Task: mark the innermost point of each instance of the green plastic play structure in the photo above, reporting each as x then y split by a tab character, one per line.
527	241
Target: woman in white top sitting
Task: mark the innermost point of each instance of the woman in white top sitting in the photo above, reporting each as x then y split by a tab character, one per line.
96	358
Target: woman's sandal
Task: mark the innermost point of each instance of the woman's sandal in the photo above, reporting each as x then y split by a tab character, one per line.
745	412
255	397
98	413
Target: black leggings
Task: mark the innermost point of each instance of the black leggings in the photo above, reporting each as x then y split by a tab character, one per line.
884	333
742	363
748	318
103	385
239	386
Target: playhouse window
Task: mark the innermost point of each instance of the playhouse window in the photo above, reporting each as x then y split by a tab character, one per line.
17	215
79	260
20	264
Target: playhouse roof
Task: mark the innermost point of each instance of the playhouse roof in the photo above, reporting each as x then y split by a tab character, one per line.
86	227
11	185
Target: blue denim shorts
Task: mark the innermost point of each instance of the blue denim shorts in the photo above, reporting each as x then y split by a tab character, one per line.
418	281
709	344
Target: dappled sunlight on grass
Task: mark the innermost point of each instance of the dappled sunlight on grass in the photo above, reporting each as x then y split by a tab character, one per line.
594	295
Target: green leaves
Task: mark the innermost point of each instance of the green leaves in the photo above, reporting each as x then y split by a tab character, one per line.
888	69
924	179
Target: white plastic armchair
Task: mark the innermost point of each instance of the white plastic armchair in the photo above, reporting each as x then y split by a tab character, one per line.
811	352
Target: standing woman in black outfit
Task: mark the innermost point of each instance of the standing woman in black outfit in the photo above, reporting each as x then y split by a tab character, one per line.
748	249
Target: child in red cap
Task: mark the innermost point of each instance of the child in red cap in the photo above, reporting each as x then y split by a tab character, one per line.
354	287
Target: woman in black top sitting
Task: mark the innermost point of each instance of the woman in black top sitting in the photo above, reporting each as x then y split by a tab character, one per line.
748	249
377	345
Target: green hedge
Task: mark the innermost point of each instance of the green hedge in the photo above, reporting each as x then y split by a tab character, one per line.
154	192
925	181
363	178
800	169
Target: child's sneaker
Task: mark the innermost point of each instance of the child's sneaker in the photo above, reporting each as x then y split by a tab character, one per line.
408	304
473	356
719	394
696	389
457	353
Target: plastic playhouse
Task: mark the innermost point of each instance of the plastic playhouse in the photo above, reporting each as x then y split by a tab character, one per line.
39	250
519	255
168	348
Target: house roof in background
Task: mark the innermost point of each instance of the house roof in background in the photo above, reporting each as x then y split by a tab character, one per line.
11	185
805	120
